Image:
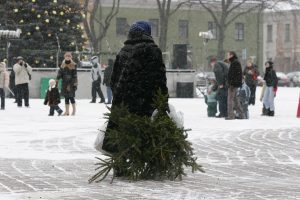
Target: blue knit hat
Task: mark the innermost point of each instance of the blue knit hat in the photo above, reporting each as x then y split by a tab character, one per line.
140	26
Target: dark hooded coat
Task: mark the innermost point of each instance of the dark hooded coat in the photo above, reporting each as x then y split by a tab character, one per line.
138	73
235	73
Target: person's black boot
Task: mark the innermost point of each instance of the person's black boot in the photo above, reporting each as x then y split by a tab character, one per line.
271	113
93	101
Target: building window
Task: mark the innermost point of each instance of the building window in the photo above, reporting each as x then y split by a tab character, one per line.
183	29
154	27
212	26
239	31
269	33
287	33
121	26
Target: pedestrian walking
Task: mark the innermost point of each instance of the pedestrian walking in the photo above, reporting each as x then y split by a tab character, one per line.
235	76
68	73
106	80
220	70
251	73
23	73
52	98
4	81
96	80
271	89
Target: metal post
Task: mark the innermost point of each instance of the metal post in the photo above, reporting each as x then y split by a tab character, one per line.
58	50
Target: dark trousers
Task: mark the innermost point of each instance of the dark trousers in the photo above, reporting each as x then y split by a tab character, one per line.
2	97
55	108
222	100
96	88
211	109
69	99
252	96
22	93
234	104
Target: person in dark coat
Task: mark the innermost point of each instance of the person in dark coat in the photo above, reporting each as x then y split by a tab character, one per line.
68	73
220	70
138	73
271	89
235	81
106	79
52	98
251	73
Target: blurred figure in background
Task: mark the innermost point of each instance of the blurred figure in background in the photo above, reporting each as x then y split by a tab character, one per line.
251	73
4	81
96	80
106	80
271	89
23	73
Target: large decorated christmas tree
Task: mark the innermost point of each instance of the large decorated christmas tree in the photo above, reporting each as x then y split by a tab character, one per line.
48	27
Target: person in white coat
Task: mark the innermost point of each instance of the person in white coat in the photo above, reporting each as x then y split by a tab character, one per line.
96	80
23	73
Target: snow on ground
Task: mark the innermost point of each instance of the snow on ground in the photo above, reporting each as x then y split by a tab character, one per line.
44	157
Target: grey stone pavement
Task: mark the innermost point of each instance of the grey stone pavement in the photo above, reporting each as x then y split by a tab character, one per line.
252	164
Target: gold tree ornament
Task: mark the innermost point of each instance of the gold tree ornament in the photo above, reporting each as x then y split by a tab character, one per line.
54	12
21	21
32	9
54	1
33	1
47	20
37	28
38	16
68	21
61	29
61	13
16	10
28	33
49	34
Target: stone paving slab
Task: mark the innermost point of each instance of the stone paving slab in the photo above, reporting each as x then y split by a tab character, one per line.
247	165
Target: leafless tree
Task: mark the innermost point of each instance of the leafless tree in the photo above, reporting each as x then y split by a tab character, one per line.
96	23
224	12
166	10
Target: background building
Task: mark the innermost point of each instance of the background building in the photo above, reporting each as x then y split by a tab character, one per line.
184	28
281	39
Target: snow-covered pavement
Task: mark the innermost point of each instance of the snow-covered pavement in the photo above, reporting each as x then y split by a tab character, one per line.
45	157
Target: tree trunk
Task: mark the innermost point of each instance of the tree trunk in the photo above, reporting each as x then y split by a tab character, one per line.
163	34
221	39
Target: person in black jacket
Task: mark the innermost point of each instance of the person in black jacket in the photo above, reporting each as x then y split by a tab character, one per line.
138	74
221	72
235	81
271	89
251	72
52	98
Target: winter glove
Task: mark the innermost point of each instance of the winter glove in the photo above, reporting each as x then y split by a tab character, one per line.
25	65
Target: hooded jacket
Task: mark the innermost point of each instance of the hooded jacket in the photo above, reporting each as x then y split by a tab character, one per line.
4	77
235	73
138	73
22	73
270	76
68	74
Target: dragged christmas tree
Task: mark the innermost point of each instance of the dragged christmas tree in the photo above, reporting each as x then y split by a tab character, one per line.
147	148
47	27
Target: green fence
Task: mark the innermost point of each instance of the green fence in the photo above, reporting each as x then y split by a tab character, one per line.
45	86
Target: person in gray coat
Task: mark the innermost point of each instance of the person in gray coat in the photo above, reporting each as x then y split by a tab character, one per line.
23	73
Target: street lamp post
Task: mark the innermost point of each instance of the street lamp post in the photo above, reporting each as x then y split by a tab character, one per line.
206	36
58	50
